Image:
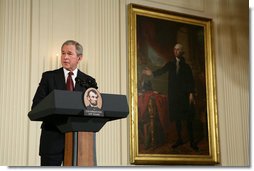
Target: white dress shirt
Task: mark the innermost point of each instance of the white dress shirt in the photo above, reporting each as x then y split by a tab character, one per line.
75	72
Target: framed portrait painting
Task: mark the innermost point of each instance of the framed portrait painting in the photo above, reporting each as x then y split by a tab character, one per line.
172	88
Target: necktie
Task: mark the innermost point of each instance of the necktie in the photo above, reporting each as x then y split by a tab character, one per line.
69	83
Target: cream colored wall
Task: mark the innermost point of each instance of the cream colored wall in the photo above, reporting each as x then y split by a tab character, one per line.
32	31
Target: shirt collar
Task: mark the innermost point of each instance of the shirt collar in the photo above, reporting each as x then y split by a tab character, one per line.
75	73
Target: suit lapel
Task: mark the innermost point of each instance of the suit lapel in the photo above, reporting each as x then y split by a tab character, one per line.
78	87
59	79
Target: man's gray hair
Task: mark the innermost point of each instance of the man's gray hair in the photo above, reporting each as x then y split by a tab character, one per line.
79	48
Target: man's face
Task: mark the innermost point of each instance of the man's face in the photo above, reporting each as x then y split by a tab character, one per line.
69	58
93	98
178	50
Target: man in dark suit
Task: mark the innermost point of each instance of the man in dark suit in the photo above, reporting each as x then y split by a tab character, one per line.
52	140
180	93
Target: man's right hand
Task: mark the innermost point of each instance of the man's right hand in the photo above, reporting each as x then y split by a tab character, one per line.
147	71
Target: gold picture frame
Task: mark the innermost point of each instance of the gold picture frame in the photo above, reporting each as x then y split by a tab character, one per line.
154	139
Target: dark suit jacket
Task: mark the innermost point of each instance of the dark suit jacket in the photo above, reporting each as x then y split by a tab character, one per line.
94	108
52	140
180	85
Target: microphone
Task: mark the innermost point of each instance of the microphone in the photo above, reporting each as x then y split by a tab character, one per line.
87	83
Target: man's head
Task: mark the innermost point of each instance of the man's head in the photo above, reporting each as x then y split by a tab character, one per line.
178	50
71	54
92	97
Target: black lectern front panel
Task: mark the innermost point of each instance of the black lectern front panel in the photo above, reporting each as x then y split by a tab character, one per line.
66	109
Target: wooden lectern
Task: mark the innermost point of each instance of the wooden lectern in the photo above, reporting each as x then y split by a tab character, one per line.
66	110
